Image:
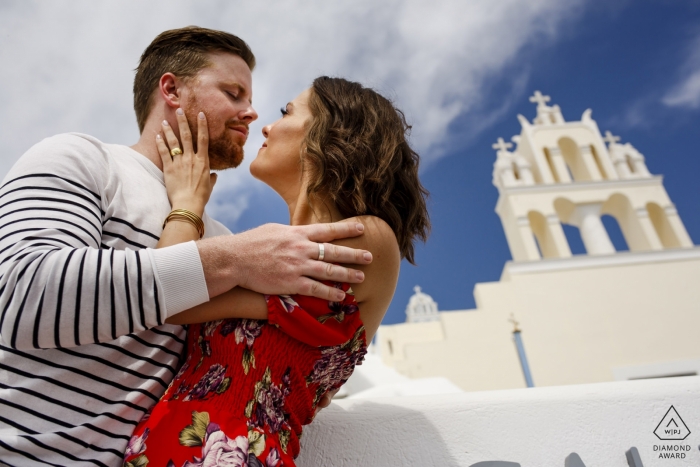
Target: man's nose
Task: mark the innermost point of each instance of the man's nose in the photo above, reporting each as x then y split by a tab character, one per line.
249	114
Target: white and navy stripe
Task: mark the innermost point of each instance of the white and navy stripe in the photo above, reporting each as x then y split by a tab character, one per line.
83	349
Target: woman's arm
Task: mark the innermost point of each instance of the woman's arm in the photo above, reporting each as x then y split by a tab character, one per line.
236	303
189	183
375	293
188	180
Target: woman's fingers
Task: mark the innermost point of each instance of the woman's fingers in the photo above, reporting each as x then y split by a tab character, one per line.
170	137
185	134
163	151
202	137
212	179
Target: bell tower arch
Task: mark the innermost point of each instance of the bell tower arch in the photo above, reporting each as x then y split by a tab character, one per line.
564	173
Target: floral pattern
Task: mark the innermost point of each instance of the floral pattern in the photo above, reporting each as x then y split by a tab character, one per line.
337	364
287	301
218	449
256	411
266	408
214	380
340	309
136	447
209	327
246	331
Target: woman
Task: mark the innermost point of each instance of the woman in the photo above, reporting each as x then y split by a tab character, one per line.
338	152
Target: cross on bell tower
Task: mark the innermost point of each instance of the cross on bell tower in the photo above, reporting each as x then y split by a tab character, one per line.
564	173
610	139
546	115
540	99
502	145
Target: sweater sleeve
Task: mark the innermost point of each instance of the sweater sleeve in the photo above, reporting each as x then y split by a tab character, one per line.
60	286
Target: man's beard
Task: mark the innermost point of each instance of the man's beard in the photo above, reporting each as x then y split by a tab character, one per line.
223	152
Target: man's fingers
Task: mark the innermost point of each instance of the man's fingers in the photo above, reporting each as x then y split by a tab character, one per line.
334	231
213	178
332	272
312	288
342	254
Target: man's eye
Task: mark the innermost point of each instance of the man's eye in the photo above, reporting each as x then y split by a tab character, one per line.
233	96
283	110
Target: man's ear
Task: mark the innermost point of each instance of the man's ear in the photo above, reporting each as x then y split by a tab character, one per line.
169	88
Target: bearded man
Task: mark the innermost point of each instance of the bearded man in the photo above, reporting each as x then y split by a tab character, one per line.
84	351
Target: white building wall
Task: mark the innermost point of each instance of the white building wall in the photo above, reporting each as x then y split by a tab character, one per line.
582	319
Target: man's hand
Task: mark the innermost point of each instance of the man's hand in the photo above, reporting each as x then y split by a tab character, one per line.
283	260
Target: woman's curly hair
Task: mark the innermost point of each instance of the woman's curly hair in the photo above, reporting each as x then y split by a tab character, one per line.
357	156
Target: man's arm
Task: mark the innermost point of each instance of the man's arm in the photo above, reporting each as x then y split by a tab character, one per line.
280	259
60	286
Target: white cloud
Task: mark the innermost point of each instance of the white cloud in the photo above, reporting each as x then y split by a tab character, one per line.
67	65
687	92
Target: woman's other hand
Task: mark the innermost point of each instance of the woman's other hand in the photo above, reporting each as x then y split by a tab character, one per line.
326	400
188	179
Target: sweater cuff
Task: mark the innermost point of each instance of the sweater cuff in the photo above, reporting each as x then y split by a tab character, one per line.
179	273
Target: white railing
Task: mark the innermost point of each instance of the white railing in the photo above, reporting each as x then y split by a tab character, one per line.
591	425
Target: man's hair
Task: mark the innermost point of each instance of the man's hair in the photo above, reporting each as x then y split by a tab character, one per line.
182	52
357	155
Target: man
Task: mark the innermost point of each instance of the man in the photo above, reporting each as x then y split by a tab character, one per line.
84	352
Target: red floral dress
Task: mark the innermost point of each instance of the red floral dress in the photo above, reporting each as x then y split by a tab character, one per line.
248	386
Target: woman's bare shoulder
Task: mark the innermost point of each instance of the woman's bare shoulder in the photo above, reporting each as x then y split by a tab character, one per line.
378	238
381	276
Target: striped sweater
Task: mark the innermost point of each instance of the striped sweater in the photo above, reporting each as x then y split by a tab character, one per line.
84	352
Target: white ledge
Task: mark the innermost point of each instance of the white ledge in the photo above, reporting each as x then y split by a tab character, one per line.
527	427
653	180
588	261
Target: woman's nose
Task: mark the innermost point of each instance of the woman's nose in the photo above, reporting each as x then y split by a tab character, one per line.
266	130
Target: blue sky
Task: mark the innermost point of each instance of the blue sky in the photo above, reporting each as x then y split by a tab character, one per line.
620	61
461	70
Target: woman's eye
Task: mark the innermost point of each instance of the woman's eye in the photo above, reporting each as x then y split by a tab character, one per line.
233	96
283	110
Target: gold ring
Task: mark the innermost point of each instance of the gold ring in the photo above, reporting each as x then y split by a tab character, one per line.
176	152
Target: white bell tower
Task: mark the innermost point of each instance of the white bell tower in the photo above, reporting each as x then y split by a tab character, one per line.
563	172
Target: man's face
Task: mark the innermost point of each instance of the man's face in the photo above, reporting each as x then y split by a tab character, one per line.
224	92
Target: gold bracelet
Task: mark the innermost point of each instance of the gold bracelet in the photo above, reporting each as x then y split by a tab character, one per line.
186	216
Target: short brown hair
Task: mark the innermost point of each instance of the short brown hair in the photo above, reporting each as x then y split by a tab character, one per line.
182	52
360	159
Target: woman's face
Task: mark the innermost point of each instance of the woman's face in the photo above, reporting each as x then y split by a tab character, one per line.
278	162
